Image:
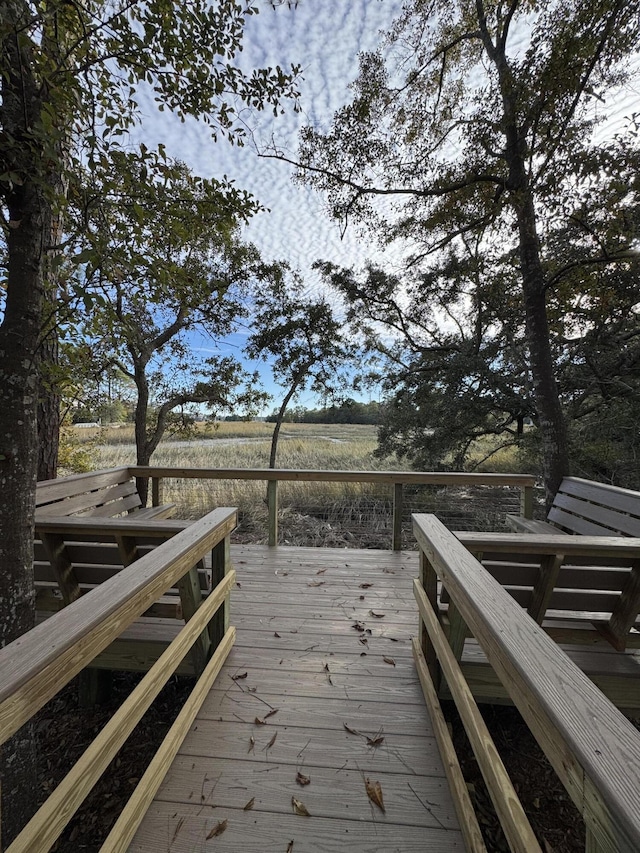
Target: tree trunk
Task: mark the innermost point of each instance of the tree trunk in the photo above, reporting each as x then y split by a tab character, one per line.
48	410
555	455
282	412
143	452
29	229
19	338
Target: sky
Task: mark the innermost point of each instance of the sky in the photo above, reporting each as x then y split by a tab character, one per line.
325	38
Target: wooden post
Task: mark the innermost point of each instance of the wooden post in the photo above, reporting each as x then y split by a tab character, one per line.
526	501
191	600
397	517
429	582
156	491
220	566
272	500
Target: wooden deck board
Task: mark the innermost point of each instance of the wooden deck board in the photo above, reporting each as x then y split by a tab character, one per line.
295	611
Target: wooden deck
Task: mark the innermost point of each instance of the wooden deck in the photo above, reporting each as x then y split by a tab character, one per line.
323	644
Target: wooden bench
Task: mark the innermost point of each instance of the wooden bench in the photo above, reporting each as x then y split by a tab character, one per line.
99	494
75	555
587	508
569	584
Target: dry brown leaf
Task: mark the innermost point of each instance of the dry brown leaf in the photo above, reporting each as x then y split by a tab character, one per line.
177	830
218	829
272	741
249	805
358	626
352	731
374	792
252	743
239	677
271	713
365	585
299	808
302	780
259	722
377	615
389	661
321	571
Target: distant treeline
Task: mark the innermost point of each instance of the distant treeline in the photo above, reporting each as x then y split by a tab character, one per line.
348	412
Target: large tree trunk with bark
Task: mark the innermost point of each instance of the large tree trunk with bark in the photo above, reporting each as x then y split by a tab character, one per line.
19	338
48	410
27	236
555	456
555	452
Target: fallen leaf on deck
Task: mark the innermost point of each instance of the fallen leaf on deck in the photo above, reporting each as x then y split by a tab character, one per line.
289	847
249	805
275	634
365	585
302	780
377	615
363	640
358	626
239	677
178	828
259	722
352	731
271	713
389	571
252	689
252	743
320	572
218	829
316	583
328	671
389	661
363	654
272	741
299	808
374	792
362	598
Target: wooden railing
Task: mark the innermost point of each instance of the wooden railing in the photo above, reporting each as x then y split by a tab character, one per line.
37	665
593	748
397	479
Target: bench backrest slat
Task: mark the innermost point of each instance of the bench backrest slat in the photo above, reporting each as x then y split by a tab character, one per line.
56	490
609	520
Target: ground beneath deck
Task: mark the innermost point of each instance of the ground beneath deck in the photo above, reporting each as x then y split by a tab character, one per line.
317	708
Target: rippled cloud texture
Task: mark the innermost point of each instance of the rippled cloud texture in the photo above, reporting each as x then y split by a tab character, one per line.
325	38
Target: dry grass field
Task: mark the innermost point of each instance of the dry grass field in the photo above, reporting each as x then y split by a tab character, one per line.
324	514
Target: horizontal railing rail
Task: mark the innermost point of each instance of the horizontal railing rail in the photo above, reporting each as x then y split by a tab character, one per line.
34	668
593	748
397	479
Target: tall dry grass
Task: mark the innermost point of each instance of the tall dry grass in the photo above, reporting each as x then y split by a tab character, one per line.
326	514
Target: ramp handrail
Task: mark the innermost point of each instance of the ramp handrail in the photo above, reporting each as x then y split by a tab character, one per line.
593	748
37	665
